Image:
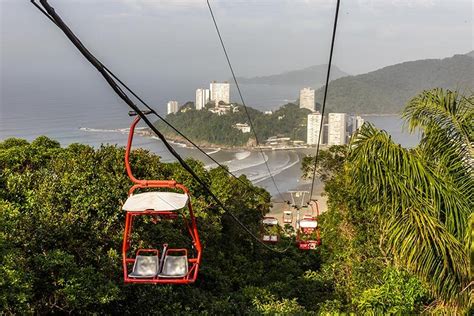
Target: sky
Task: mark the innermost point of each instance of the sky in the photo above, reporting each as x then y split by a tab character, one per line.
153	42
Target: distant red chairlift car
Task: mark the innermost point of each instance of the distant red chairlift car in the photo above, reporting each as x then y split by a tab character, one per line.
307	235
269	228
287	217
148	266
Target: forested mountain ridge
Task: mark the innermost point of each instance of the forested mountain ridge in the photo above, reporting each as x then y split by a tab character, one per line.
387	90
312	76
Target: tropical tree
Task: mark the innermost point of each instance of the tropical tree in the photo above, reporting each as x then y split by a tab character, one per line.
423	196
62	226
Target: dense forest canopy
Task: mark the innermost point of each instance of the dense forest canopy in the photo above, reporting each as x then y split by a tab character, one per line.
62	225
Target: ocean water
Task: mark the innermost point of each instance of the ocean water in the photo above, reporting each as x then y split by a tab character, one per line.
93	115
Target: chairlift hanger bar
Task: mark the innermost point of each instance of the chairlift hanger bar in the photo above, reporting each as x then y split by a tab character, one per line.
56	19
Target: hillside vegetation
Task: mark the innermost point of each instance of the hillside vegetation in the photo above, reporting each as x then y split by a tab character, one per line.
209	128
387	90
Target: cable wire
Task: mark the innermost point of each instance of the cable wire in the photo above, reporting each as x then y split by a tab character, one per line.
56	19
324	99
242	98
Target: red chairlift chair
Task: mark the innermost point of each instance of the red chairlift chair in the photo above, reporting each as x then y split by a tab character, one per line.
307	235
173	266
268	234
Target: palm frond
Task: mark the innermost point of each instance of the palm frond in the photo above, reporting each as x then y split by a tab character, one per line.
426	210
390	174
446	120
423	245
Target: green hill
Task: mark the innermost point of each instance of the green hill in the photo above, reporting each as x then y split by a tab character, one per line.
207	128
388	89
312	76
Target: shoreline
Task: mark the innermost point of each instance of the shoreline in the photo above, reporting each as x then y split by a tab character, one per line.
181	142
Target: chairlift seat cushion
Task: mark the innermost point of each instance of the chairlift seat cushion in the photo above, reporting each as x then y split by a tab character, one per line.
155	201
270	238
174	267
145	267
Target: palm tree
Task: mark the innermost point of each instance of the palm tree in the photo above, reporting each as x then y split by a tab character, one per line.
424	196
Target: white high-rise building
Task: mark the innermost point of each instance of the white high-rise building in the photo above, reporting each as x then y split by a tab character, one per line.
337	124
173	107
313	132
355	122
359	122
220	92
202	97
307	99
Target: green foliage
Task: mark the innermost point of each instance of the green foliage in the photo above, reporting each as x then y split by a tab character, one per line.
62	226
398	294
394	207
329	161
266	303
219	130
423	197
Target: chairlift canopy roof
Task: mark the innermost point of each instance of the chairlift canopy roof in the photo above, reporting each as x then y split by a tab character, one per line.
308	223
155	201
270	221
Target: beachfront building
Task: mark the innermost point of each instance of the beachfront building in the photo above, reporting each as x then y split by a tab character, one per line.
337	125
354	123
307	99
220	92
202	97
221	109
313	128
243	127
359	122
173	107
